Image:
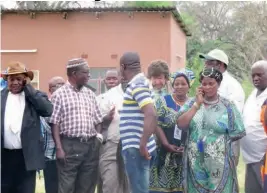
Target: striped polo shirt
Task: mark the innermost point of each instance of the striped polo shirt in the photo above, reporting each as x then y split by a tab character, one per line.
136	96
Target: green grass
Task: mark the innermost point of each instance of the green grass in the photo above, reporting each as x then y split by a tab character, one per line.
240	172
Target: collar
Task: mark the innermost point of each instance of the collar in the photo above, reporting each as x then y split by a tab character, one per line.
18	95
72	87
136	77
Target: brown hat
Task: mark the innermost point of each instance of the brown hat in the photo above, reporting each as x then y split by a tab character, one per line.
16	68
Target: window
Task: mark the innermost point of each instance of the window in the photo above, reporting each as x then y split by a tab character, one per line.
96	79
35	81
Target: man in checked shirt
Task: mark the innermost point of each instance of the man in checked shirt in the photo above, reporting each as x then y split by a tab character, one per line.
76	130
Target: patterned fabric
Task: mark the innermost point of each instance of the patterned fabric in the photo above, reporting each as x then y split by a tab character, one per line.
189	73
217	125
49	144
264	167
136	96
76	112
166	174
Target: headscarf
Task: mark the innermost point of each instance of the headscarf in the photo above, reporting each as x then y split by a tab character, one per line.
186	73
211	73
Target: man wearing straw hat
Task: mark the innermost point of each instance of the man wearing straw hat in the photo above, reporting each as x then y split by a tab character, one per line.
76	126
21	141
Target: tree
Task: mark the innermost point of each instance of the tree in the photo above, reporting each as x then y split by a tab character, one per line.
46	4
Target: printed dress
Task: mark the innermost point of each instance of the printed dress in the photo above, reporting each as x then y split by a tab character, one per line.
166	173
214	170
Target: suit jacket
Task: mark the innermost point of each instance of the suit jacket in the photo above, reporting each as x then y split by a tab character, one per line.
36	105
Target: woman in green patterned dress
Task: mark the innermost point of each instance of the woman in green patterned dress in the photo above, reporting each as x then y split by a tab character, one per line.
213	124
166	173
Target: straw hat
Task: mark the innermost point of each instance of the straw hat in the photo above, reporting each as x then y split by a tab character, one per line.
16	68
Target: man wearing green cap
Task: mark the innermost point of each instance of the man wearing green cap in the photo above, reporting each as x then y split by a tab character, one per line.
230	88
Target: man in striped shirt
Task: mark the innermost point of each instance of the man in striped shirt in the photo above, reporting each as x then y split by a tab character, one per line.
138	122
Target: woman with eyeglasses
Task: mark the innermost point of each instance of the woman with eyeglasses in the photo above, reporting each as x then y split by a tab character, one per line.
212	123
166	173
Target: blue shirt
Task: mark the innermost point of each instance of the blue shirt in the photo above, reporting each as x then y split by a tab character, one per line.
136	96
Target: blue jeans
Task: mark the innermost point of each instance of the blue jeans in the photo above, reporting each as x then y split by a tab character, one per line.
137	169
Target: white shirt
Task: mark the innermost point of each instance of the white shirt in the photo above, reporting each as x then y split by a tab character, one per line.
14	112
113	97
232	90
254	144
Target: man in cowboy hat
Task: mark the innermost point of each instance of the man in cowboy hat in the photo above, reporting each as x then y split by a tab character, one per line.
230	88
21	141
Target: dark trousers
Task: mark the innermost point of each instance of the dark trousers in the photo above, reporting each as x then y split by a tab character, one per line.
15	177
50	176
79	172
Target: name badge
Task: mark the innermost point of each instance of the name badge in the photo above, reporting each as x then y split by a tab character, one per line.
177	133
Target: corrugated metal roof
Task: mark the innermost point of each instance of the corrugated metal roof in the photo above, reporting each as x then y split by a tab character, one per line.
171	9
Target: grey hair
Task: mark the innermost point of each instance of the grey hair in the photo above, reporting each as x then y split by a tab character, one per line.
54	79
261	64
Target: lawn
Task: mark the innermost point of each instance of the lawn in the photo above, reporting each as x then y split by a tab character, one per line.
240	172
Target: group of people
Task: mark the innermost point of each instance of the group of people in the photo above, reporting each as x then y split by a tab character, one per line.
144	134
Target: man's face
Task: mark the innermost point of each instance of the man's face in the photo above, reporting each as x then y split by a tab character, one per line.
56	84
158	82
259	78
213	64
82	75
112	79
16	83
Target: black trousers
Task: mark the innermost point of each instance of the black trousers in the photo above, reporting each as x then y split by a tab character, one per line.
15	177
80	171
50	176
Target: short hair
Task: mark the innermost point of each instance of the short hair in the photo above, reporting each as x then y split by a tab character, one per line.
73	69
211	73
158	67
261	64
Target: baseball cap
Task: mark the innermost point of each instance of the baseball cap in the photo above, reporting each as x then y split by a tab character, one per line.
130	58
216	54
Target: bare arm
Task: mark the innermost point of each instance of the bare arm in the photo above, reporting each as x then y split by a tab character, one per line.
56	136
265	117
150	121
184	120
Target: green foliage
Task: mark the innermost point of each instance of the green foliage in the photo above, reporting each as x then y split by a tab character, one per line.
247	86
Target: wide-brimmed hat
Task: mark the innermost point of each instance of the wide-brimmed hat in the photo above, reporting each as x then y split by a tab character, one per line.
216	54
16	68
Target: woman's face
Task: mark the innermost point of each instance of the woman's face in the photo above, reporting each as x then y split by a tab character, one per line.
210	87
180	86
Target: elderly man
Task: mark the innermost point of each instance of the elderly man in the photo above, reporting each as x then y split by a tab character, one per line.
50	171
230	88
21	141
254	145
76	130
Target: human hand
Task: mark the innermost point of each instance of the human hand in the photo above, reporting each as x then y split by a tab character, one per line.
199	95
60	155
143	151
174	148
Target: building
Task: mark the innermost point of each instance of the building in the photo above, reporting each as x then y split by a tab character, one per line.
46	39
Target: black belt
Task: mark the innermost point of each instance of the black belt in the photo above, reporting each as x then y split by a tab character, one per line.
80	139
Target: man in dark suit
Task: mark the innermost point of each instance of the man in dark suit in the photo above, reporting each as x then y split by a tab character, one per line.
22	148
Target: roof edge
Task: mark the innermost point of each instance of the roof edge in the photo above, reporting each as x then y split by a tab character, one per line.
171	9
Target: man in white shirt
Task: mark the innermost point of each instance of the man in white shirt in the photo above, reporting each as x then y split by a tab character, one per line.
111	101
230	88
254	144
